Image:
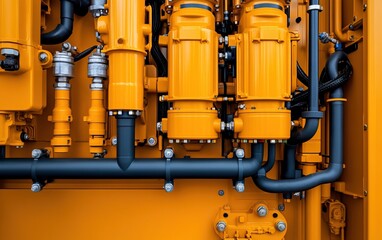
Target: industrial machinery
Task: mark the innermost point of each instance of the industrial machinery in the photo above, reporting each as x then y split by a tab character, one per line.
190	119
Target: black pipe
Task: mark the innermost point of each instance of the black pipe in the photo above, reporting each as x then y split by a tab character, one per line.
334	171
63	30
289	163
331	174
44	169
313	115
125	139
271	157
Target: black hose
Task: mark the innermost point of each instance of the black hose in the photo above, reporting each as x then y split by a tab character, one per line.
125	139
327	85
159	58
84	53
301	75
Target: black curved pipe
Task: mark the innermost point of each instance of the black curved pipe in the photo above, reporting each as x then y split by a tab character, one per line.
313	114
332	173
271	157
63	30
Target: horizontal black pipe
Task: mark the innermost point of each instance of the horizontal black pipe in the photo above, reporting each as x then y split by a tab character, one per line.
139	168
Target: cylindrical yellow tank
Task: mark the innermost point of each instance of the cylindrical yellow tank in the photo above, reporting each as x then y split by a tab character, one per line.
263	83
124	34
20	33
193	71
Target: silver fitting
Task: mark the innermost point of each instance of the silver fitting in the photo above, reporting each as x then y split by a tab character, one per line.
262	211
36	187
240	187
43	57
240	153
63	64
97	65
168	153
168	187
221	226
280	226
325	38
97	8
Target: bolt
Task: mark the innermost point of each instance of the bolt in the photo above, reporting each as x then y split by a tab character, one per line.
240	153
168	187
272	141
281	207
240	187
114	141
241	106
168	153
151	142
221	226
36	153
43	57
364	7
36	187
262	211
221	192
280	226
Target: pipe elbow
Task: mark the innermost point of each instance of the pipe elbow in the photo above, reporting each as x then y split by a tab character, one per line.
60	34
306	133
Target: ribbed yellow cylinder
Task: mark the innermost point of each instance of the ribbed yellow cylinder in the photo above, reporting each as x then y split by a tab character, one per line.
263	83
193	73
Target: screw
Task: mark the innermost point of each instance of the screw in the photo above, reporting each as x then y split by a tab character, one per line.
221	226
281	207
262	211
221	192
272	141
151	142
36	153
114	141
168	153
168	187
240	187
240	153
36	187
364	7
280	226
43	57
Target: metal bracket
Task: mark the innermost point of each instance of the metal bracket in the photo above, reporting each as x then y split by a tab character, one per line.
315	7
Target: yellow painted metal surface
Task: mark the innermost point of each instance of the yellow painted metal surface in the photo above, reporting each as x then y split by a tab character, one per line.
266	77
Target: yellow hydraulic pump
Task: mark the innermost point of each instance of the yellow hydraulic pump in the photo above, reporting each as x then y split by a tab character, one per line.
263	83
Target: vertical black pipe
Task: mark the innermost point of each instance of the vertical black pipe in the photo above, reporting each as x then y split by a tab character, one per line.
271	157
125	139
313	56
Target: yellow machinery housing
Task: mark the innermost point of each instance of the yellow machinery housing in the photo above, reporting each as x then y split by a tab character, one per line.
190	119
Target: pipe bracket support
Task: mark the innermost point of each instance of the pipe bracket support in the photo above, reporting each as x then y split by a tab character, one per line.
315	7
312	114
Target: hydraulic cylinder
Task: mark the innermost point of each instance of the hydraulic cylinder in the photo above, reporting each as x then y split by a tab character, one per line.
123	32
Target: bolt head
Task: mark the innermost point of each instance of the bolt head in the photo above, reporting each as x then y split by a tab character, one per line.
168	153
114	141
151	142
43	57
280	226
36	187
240	153
221	226
240	187
262	211
36	153
168	187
